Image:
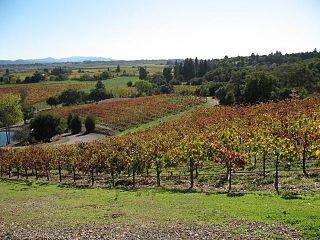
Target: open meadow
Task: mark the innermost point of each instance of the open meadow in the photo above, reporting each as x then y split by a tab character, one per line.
42	210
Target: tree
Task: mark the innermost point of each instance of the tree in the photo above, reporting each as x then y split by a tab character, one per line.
23	92
75	124
69	119
118	68
158	79
71	97
196	67
10	112
36	77
188	69
100	85
90	124
176	70
166	88
180	71
144	87
99	93
105	75
229	98
203	90
53	101
225	96
143	73
129	84
45	126
61	73
167	73
259	86
28	112
7	72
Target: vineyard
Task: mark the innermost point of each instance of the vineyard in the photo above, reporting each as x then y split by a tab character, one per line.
40	92
214	140
125	113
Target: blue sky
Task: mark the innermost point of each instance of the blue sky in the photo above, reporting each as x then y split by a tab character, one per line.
150	29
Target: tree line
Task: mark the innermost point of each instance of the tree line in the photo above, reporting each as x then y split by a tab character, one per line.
259	79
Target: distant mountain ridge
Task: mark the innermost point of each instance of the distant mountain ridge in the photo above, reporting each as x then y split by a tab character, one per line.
55	60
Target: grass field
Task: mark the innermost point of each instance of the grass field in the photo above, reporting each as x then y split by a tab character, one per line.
38	204
118	86
182	88
128	69
92	69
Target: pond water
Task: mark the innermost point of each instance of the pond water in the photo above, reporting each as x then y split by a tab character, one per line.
3	138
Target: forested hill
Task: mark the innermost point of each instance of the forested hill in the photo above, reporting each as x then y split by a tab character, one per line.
254	78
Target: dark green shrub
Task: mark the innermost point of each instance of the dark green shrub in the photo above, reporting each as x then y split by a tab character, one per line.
70	117
75	124
90	124
71	97
45	126
53	101
129	84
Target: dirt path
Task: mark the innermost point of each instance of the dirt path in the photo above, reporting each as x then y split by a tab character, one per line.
212	101
153	230
68	138
72	139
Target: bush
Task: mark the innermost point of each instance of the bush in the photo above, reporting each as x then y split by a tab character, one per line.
45	126
71	97
86	77
258	87
97	95
53	101
129	84
28	112
90	124
99	92
213	87
229	99
70	117
75	124
105	75
144	87
166	88
175	82
203	90
225	96
196	81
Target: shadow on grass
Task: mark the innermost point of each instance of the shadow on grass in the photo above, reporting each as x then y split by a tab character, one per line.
290	195
235	194
129	188
17	181
88	186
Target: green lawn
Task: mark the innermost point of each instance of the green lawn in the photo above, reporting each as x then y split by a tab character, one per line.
114	83
42	204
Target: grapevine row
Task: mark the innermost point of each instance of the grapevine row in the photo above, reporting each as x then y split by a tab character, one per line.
283	132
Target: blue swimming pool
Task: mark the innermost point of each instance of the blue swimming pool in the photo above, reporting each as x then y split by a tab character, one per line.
3	138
